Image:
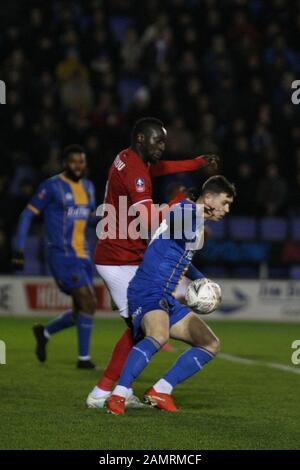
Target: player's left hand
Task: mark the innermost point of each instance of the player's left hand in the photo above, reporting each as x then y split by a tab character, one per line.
18	260
212	160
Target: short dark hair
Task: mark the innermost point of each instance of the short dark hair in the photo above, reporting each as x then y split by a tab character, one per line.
193	193
70	149
219	184
144	124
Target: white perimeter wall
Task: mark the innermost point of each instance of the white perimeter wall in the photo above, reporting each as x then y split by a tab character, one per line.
242	299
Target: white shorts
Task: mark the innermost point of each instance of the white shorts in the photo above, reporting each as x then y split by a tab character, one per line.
116	279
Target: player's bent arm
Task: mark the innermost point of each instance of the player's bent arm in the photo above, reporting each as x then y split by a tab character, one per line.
193	273
37	204
23	227
20	237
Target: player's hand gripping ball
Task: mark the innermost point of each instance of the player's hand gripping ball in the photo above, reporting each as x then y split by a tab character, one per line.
203	296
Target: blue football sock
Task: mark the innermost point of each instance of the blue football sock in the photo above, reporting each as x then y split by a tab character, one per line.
190	362
137	360
60	323
84	329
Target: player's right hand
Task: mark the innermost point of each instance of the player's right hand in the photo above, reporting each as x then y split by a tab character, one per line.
18	260
208	210
212	160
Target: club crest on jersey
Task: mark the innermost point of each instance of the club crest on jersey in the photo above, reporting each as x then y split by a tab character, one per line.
68	196
42	194
140	185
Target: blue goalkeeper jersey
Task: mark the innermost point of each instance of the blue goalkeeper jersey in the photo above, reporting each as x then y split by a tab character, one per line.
168	257
67	207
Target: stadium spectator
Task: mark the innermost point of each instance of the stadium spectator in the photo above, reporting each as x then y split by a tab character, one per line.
272	191
85	71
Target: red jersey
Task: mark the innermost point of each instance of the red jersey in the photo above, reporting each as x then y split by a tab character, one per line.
129	176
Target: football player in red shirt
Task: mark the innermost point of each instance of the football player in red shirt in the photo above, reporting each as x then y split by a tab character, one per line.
117	258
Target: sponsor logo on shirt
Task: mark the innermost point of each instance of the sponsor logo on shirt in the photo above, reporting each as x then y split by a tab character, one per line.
78	212
140	185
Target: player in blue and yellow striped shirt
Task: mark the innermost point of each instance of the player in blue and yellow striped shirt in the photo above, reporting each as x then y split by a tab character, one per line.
67	202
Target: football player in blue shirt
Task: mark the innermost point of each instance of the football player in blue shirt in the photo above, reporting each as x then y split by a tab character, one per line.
155	313
67	202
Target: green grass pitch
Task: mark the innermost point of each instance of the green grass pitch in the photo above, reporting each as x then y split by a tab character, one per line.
226	406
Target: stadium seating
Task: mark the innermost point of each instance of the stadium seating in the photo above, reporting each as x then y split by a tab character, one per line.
294	272
242	228
273	229
243	242
217	230
295	228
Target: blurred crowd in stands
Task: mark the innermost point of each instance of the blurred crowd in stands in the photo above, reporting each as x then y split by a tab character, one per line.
217	72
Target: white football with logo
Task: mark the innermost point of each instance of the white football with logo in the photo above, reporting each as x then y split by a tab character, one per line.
203	296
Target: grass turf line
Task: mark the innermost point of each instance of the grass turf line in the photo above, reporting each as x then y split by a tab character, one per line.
226	406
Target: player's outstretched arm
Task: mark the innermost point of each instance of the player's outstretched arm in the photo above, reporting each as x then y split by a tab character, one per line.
167	167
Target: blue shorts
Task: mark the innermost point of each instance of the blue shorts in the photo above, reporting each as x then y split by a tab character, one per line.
139	305
70	272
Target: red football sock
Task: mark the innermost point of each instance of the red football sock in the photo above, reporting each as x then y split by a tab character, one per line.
117	361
